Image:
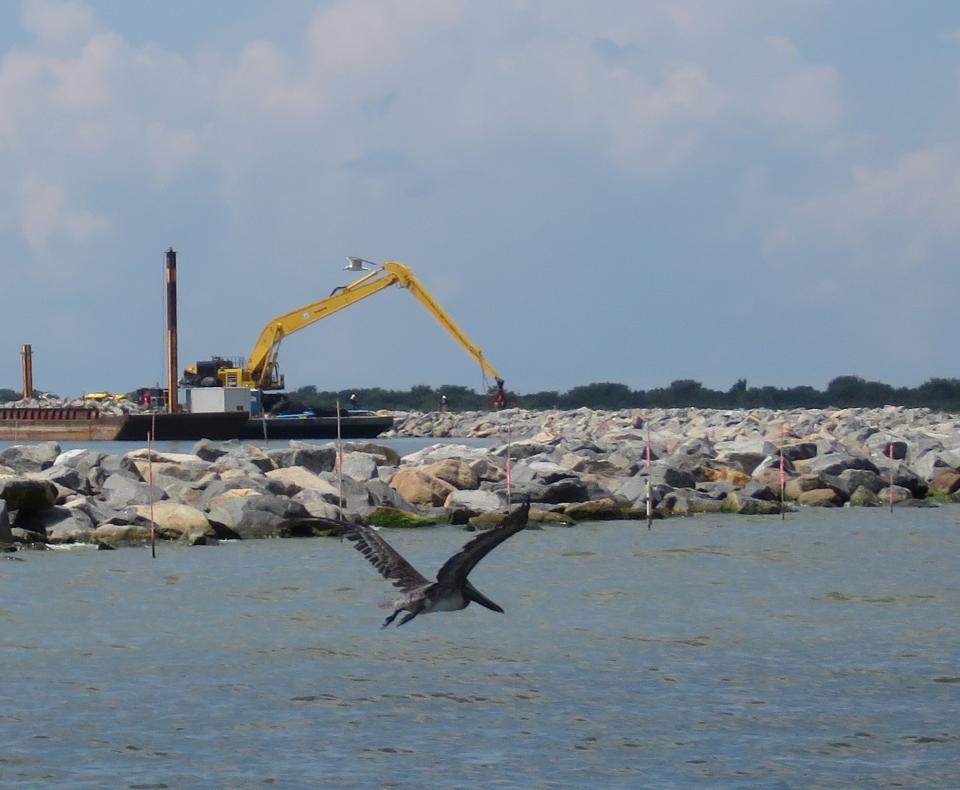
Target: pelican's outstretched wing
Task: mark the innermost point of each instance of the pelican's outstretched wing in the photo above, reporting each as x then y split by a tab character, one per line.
383	557
455	570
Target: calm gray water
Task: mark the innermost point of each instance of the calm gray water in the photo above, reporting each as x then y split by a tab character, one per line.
720	652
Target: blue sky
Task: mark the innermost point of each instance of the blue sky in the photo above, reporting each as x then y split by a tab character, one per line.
613	191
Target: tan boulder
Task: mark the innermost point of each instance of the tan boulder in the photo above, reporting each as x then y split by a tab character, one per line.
486	470
945	481
799	485
454	471
180	471
143	455
864	497
736	502
820	497
303	479
727	474
420	488
231	493
121	535
595	510
230	475
177	521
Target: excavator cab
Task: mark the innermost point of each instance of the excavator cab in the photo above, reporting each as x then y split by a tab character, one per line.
205	373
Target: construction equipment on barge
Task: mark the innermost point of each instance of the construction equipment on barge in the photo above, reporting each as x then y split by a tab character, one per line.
261	372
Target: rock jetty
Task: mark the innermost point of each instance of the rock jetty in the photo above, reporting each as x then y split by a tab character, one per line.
573	465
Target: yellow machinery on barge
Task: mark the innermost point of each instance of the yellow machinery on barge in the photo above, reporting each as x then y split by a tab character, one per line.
261	370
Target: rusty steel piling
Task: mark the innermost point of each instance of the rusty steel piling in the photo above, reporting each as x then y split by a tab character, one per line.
172	391
26	351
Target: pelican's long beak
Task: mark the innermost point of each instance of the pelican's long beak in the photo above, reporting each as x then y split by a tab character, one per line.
477	597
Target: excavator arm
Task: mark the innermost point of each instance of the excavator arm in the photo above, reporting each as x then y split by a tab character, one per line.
261	369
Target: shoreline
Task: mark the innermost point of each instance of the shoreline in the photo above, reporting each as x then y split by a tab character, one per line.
580	465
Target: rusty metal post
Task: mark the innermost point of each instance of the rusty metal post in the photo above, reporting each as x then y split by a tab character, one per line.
26	350
172	392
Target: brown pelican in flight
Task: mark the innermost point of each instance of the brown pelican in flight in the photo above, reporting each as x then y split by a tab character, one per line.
451	591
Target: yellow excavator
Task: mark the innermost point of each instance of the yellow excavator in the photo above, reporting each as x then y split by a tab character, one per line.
261	370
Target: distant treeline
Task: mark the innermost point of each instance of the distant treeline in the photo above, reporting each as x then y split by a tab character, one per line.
938	393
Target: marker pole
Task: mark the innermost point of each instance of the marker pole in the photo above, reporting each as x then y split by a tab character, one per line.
339	461
890	487
648	488
509	480
153	524
783	477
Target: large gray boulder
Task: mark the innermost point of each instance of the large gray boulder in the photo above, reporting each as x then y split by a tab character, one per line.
799	451
633	490
464	505
319	507
904	477
928	464
359	466
112	464
61	476
189	492
742	460
691	454
60	525
248	459
100	511
258	516
835	463
772	461
27	496
120	491
210	450
6	536
519	450
93	468
384	456
759	490
310	456
849	480
441	452
534	489
568	489
30	457
631	458
661	473
716	489
380	494
685	502
219	486
356	494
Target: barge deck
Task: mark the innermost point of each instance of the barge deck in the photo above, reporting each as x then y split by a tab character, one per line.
89	425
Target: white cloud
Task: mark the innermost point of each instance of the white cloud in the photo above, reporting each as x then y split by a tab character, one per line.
903	208
461	79
807	98
170	149
47	216
58	24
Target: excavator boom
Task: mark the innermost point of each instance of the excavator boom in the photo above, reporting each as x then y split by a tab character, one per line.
262	371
